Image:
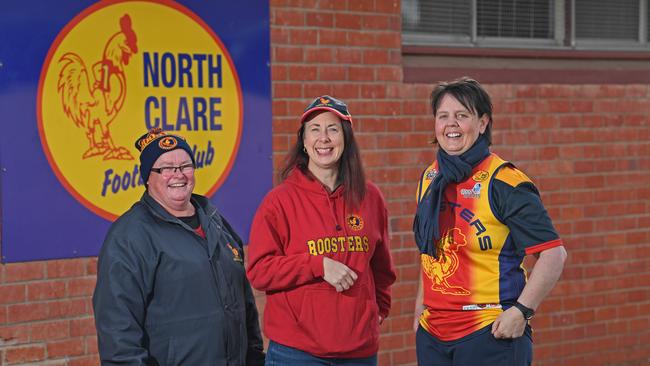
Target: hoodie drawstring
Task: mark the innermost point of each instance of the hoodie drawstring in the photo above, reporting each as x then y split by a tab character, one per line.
332	212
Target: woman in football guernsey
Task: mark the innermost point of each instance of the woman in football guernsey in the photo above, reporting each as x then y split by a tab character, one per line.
319	249
477	217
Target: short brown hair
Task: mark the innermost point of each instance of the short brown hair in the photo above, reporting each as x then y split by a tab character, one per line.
470	94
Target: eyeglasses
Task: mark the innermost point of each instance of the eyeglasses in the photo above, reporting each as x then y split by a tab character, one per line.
169	171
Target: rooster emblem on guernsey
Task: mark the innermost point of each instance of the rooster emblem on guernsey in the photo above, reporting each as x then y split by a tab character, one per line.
439	270
93	101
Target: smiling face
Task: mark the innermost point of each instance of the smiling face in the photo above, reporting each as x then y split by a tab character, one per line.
323	139
456	127
174	192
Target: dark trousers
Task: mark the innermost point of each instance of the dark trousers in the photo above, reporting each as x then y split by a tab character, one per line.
278	354
475	349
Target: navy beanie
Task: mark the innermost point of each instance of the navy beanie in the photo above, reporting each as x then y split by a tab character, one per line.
155	143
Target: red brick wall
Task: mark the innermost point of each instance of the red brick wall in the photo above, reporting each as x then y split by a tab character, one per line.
46	313
585	146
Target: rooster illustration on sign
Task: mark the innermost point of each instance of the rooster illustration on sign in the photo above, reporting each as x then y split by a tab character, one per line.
93	104
439	270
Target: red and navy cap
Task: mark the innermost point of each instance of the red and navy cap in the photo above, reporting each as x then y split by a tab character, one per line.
327	103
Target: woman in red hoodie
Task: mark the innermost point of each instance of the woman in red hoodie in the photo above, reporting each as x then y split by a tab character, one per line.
319	249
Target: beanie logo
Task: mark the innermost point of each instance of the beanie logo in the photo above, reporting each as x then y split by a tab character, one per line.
168	143
116	70
152	135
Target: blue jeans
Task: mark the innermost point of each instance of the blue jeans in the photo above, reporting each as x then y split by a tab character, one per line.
476	349
278	354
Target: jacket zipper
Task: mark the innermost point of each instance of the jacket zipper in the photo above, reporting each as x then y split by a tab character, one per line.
215	280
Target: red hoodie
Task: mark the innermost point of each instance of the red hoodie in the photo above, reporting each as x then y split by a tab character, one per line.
298	224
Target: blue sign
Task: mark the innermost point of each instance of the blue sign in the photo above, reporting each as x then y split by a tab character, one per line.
79	83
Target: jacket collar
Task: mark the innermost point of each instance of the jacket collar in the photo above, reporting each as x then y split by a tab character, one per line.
200	203
206	211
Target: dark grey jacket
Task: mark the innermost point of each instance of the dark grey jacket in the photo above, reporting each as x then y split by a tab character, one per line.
166	296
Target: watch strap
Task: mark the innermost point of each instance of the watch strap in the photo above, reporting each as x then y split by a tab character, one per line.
526	311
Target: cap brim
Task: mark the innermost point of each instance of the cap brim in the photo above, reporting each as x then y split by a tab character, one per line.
329	109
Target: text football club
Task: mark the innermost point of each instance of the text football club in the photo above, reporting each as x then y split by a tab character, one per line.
119	69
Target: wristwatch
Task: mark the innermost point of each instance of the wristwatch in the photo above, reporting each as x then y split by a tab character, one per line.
528	312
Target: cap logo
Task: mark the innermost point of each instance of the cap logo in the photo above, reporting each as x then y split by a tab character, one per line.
168	143
324	101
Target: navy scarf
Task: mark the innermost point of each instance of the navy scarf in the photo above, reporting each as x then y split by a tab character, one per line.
451	168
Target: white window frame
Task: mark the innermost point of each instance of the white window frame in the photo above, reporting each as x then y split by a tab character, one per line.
558	42
615	44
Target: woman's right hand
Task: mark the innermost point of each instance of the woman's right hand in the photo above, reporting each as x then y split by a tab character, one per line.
337	274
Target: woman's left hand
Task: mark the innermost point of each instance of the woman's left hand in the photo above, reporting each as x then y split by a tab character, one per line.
509	324
337	274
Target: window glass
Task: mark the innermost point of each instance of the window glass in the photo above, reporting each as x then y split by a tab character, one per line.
515	18
570	24
437	17
607	19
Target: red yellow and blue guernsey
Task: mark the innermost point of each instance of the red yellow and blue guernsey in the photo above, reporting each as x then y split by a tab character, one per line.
488	222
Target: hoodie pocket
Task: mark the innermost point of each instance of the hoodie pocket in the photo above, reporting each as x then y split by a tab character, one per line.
341	322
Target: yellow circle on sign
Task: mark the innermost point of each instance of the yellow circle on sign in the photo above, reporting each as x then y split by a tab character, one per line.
119	69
